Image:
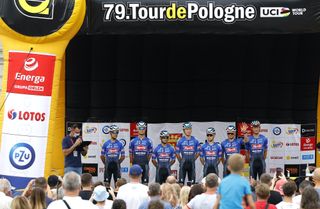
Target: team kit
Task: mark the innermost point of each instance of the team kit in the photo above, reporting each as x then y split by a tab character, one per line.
187	151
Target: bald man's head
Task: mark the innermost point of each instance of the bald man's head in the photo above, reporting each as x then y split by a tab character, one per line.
316	175
171	180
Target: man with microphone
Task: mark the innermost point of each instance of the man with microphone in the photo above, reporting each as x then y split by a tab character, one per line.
72	150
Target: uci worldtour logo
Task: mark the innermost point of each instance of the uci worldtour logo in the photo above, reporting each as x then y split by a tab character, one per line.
40	9
22	156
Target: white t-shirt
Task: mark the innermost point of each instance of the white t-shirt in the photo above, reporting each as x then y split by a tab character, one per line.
107	205
287	205
134	194
5	201
297	199
73	202
203	201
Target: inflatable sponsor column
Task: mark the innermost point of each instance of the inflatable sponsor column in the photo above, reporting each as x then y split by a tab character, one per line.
35	34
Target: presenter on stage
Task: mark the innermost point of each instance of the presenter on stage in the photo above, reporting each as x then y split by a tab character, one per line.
187	152
257	150
73	148
140	149
112	155
210	154
163	158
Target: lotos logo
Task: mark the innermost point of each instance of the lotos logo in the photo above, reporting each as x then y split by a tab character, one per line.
22	156
292	131
292	144
31	64
275	144
40	9
12	114
28	116
90	130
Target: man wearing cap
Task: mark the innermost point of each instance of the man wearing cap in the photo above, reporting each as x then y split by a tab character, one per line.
163	157
257	149
230	146
112	155
5	194
140	149
187	152
134	193
100	195
211	153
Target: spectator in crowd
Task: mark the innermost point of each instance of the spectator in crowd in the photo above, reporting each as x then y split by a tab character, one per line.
41	183
71	186
119	183
54	183
289	189
177	188
279	185
133	193
38	198
5	194
100	195
184	195
316	180
263	193
304	184
169	195
171	179
20	202
119	204
86	184
275	197
207	199
155	195
234	187
195	190
155	205
309	199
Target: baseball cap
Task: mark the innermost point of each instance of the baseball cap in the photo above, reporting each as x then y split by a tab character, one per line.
100	194
135	170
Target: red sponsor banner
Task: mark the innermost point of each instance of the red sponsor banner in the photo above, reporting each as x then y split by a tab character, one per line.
243	127
173	138
133	130
308	143
30	73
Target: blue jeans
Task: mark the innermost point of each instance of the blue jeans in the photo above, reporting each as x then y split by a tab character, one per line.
78	170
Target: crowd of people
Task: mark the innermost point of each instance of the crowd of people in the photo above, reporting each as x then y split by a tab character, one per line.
232	192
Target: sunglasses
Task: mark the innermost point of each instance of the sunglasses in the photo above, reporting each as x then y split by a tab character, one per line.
115	132
165	137
230	133
209	134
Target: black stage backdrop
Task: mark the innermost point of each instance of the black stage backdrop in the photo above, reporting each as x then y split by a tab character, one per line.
172	78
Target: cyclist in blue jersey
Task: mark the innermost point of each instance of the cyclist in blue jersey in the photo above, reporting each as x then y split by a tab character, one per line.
257	150
211	153
140	149
163	157
112	155
187	152
230	146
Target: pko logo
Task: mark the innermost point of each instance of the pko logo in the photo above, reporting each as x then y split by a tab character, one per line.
22	156
40	9
25	115
308	157
274	12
